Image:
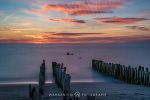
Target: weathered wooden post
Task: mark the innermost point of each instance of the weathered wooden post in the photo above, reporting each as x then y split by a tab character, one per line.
147	77
136	76
41	80
63	77
123	77
67	83
34	94
129	74
60	76
132	75
57	71
93	63
142	75
139	74
54	64
41	85
66	86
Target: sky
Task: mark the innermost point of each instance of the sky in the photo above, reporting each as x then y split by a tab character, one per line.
74	21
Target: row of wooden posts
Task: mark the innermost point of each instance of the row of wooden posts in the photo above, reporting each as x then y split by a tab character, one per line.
62	79
128	74
35	94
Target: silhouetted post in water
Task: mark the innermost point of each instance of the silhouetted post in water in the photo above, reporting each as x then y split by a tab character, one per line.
60	75
57	71
63	77
67	83
149	79
93	63
139	75
54	64
60	70
129	77
41	80
41	85
146	77
34	94
66	86
132	75
142	70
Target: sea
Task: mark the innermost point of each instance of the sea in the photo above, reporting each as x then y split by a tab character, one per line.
20	63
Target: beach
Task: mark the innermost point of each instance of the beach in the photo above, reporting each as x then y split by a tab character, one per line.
74	49
104	91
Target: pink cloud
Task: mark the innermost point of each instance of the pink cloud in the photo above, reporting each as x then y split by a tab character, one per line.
119	20
68	21
34	11
74	34
85	8
141	28
95	39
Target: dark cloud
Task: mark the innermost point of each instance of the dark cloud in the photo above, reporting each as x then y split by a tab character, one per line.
120	20
88	12
75	34
95	39
141	28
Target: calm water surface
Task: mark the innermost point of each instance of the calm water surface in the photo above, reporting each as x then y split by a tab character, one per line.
20	62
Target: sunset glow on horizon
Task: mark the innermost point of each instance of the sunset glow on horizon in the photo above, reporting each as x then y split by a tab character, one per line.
74	21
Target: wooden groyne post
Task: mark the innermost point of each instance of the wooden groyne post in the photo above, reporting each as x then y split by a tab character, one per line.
33	95
133	75
62	79
41	80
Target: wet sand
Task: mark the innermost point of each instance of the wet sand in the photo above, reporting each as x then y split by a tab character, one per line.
104	91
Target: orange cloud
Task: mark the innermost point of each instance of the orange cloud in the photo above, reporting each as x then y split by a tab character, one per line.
141	28
6	29
87	12
49	38
85	8
68	21
94	39
119	20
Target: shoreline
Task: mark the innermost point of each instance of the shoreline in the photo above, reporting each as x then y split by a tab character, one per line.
113	91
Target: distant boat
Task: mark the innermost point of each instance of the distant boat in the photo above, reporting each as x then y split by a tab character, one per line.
69	53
